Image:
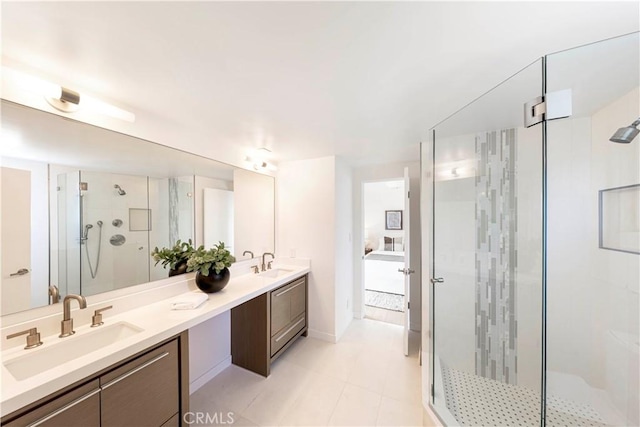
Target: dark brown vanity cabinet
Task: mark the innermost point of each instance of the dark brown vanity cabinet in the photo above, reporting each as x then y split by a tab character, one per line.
143	392
79	407
264	327
148	389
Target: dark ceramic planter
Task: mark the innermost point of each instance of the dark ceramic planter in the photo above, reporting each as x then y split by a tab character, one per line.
181	268
213	282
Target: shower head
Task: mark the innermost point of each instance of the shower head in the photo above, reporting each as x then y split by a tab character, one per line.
85	235
121	192
626	134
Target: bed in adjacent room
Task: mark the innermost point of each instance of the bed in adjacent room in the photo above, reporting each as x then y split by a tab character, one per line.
381	272
384	285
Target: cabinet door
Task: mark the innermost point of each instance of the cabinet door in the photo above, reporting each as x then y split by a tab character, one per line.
280	309
298	299
143	392
77	408
287	304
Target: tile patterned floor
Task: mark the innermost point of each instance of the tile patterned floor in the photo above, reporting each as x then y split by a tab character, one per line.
478	401
364	380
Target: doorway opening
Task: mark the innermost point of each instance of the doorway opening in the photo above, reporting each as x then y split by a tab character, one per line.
384	251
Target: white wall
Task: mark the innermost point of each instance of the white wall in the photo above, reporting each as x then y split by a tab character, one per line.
307	227
209	349
254	217
343	246
382	173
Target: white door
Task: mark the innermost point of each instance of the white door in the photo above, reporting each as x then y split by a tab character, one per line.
406	221
16	234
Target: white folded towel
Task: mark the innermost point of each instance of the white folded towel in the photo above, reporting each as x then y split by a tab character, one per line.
189	301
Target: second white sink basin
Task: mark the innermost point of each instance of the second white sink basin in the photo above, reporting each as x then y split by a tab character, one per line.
49	356
276	272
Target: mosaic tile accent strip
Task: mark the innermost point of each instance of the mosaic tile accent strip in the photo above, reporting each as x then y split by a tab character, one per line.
174	211
478	401
496	212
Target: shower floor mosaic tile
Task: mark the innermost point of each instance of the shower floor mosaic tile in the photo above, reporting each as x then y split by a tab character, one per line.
478	401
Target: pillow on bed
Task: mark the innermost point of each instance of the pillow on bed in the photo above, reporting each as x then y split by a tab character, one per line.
391	244
388	243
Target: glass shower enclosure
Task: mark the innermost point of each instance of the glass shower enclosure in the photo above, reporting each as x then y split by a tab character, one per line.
535	246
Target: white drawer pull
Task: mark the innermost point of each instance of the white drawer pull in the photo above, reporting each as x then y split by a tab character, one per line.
290	329
290	289
133	371
65	407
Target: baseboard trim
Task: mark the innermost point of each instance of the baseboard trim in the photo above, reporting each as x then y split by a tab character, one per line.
322	336
209	375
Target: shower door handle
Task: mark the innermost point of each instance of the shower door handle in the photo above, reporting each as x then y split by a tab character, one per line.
435	280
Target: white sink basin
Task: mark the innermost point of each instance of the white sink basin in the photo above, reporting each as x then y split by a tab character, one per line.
49	355
276	272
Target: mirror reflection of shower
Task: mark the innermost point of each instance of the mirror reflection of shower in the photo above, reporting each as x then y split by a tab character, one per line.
121	192
84	240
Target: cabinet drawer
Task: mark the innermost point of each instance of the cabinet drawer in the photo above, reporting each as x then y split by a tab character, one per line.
79	407
287	303
143	392
280	339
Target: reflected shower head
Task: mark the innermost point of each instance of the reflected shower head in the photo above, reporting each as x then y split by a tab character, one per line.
120	190
85	235
99	223
627	134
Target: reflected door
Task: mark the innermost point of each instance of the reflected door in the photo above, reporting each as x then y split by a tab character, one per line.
407	271
16	228
487	260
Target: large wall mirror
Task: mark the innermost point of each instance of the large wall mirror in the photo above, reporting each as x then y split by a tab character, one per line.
82	207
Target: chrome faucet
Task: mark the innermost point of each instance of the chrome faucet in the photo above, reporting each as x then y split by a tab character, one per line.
264	266
66	325
247	252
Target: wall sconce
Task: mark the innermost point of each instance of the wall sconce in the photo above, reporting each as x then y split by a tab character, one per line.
64	99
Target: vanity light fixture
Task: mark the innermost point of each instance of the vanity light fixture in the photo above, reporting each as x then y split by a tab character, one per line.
64	99
259	160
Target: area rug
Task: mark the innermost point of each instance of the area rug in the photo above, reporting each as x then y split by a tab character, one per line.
384	300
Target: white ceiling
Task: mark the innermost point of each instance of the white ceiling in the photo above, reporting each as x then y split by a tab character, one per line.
363	80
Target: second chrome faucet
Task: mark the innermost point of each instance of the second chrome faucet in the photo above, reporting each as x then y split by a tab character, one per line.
264	266
66	326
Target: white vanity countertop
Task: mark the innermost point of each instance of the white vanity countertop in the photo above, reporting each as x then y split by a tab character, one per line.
158	322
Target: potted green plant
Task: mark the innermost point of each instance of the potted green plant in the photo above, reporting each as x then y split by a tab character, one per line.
175	257
211	267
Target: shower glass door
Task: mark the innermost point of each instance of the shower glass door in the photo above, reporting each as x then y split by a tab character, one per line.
487	259
593	243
